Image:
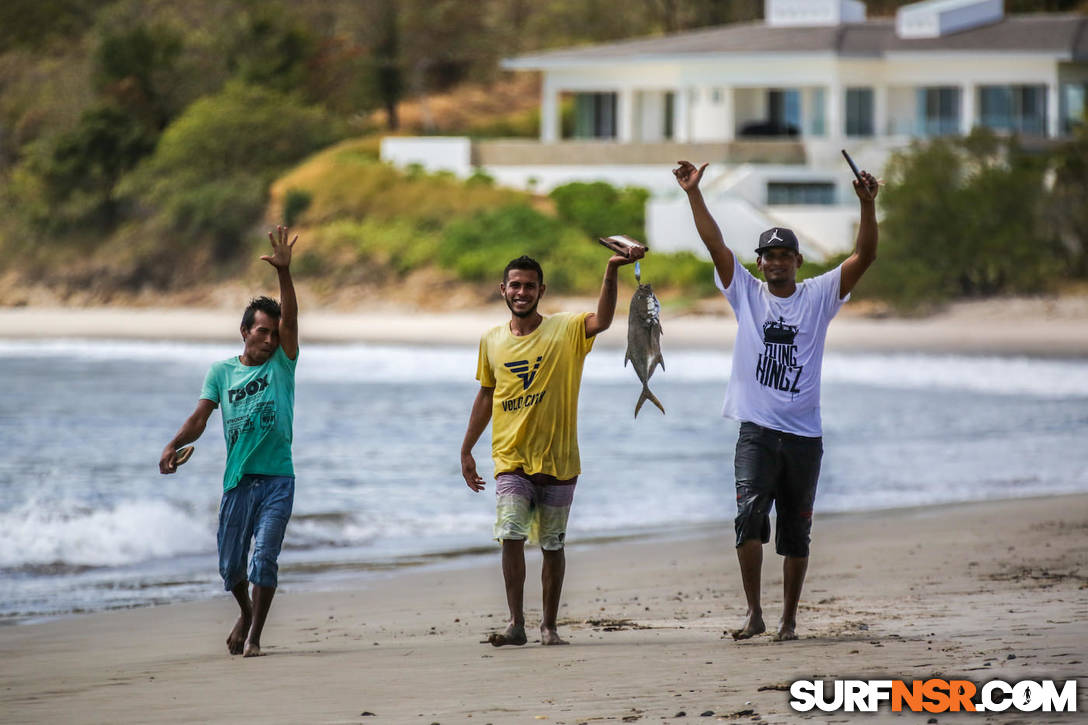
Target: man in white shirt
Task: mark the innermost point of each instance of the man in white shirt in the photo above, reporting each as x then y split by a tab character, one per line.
774	389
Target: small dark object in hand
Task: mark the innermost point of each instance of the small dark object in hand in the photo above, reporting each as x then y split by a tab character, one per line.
621	244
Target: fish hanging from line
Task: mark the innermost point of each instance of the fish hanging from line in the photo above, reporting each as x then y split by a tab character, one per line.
644	338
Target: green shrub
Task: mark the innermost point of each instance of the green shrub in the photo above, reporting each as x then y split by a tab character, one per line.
295	202
602	210
398	247
478	247
962	218
683	272
80	170
222	211
212	167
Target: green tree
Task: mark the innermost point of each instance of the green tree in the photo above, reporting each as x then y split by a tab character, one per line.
136	67
83	167
212	167
270	46
601	210
962	218
1069	201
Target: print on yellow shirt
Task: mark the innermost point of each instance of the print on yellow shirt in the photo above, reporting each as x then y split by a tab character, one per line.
536	377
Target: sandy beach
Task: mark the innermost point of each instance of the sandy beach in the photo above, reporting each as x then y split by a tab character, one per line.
1022	326
982	591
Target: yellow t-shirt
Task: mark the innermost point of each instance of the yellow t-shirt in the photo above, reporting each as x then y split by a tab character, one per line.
536	377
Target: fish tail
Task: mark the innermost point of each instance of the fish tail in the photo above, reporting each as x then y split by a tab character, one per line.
647	395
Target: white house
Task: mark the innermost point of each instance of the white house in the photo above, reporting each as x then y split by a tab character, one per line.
771	103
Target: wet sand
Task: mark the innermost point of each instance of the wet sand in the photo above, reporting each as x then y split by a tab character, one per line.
992	590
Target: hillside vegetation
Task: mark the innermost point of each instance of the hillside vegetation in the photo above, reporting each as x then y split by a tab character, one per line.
146	144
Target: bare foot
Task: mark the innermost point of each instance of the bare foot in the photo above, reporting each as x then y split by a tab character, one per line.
514	634
753	625
550	636
253	649
236	640
785	633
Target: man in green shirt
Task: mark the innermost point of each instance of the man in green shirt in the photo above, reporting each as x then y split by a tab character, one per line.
257	393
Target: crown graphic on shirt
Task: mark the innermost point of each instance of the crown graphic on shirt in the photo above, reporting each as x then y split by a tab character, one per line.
779	332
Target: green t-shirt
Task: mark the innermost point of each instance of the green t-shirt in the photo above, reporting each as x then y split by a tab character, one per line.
258	406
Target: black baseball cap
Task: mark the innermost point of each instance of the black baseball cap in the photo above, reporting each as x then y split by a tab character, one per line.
777	237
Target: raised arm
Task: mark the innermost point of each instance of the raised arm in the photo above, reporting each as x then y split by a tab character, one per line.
477	422
281	260
190	430
688	177
865	247
601	320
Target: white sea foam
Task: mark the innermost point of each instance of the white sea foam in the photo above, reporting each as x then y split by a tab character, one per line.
45	533
415	364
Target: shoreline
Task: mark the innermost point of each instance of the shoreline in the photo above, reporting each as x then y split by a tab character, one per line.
1013	327
362	573
981	590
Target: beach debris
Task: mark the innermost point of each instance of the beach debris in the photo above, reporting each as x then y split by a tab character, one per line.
644	338
614	625
740	713
706	713
781	686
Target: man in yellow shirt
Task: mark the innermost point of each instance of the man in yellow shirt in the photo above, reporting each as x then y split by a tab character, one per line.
530	371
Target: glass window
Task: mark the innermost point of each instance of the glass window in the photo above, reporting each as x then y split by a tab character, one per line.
859	111
670	115
784	111
1074	100
595	115
1015	109
938	111
818	113
800	192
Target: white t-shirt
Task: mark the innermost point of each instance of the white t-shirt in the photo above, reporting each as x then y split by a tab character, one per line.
779	350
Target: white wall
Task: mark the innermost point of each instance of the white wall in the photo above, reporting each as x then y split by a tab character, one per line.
433	153
822	233
650	125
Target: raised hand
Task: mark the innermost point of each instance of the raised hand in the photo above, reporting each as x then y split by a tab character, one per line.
688	176
633	255
868	190
281	248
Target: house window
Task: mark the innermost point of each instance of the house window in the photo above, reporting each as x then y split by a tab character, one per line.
859	111
1016	109
800	192
670	115
783	115
938	111
817	114
595	115
1074	106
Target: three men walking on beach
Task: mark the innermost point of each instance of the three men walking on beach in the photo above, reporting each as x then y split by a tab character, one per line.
530	373
257	393
774	388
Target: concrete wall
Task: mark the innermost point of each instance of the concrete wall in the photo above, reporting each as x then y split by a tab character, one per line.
433	153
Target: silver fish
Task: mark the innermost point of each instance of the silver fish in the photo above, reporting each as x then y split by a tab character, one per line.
644	338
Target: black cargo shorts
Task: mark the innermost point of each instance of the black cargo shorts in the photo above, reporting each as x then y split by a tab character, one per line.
777	468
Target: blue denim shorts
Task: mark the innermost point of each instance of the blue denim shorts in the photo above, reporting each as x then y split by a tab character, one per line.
257	509
776	468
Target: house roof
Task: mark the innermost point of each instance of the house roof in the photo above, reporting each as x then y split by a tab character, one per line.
1064	35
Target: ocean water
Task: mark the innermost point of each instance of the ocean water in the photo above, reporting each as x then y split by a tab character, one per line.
88	523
